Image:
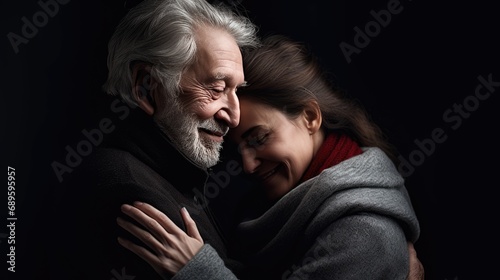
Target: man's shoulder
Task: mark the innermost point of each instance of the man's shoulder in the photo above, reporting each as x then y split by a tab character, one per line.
112	176
110	169
112	160
108	162
89	206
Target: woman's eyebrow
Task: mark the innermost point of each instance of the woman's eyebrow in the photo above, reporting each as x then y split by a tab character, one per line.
249	131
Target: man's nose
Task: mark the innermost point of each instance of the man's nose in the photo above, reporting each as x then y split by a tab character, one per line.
230	111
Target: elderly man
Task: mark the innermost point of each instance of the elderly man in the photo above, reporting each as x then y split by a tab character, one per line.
179	64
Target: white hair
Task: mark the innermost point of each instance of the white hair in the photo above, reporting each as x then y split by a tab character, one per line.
162	33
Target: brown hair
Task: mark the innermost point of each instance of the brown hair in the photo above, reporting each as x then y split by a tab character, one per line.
283	74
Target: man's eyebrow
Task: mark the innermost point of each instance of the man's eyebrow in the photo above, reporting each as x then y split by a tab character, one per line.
244	84
219	76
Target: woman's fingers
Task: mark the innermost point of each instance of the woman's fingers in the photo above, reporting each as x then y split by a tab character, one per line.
158	225
145	236
158	216
167	224
192	229
163	266
140	251
171	247
150	223
417	271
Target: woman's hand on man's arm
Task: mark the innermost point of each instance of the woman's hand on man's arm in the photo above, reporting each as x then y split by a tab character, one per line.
170	248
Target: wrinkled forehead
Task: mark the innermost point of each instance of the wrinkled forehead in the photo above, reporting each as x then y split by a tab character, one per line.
218	57
217	45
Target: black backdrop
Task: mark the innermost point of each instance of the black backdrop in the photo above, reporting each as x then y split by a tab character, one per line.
413	74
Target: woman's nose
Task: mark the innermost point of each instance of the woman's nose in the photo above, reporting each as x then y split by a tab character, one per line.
250	161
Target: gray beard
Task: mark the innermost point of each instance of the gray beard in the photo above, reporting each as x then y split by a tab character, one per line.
183	130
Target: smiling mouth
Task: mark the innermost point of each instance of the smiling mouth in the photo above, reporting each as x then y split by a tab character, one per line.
214	133
267	175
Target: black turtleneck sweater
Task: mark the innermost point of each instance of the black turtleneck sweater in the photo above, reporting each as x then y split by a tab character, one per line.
136	162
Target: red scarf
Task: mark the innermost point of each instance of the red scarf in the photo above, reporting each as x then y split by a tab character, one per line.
335	148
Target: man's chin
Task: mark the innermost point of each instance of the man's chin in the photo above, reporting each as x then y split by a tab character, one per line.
212	154
207	153
202	148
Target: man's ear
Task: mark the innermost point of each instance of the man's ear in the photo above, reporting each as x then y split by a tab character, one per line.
143	87
312	116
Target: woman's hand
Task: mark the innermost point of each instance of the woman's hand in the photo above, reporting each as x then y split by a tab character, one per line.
417	271
171	248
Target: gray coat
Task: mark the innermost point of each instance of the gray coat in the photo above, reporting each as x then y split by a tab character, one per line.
352	221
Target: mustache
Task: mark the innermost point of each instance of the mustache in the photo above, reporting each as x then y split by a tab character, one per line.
214	126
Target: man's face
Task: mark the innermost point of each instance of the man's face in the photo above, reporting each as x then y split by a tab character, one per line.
208	105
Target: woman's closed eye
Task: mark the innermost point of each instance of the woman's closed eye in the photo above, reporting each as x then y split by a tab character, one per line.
258	140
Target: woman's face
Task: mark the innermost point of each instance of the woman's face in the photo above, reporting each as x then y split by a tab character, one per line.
275	149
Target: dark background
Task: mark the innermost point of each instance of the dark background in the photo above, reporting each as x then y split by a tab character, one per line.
426	60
